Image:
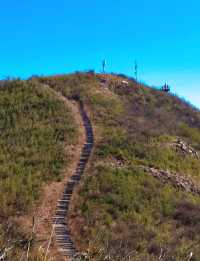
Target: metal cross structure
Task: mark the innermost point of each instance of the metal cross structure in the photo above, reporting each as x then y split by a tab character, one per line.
104	65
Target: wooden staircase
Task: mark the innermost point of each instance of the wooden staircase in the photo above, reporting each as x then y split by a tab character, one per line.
62	233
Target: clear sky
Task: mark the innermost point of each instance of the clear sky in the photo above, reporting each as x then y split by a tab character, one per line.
47	37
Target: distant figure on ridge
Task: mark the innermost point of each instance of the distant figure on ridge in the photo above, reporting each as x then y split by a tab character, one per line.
165	88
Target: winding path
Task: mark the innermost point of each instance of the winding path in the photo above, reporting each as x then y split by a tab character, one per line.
61	227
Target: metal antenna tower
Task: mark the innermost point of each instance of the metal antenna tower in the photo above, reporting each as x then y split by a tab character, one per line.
104	65
136	70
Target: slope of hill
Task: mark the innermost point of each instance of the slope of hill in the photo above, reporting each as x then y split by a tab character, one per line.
120	210
35	129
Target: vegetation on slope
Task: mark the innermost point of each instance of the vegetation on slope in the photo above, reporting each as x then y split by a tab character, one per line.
35	127
122	211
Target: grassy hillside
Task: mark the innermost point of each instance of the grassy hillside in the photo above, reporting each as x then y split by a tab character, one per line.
122	211
35	127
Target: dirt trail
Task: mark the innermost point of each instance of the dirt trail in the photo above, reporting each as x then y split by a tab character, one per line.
63	234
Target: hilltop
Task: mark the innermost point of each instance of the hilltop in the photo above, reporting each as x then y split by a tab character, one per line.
125	206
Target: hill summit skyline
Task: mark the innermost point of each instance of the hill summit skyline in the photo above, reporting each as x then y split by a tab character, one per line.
47	38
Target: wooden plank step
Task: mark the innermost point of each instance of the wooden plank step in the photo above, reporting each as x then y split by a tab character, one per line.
69	251
64	242
67	198
67	247
63	200
65	193
64	238
61	209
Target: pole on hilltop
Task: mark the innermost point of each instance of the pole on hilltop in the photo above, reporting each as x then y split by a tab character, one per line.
104	65
136	70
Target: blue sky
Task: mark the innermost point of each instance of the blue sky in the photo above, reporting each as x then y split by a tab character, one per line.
47	37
